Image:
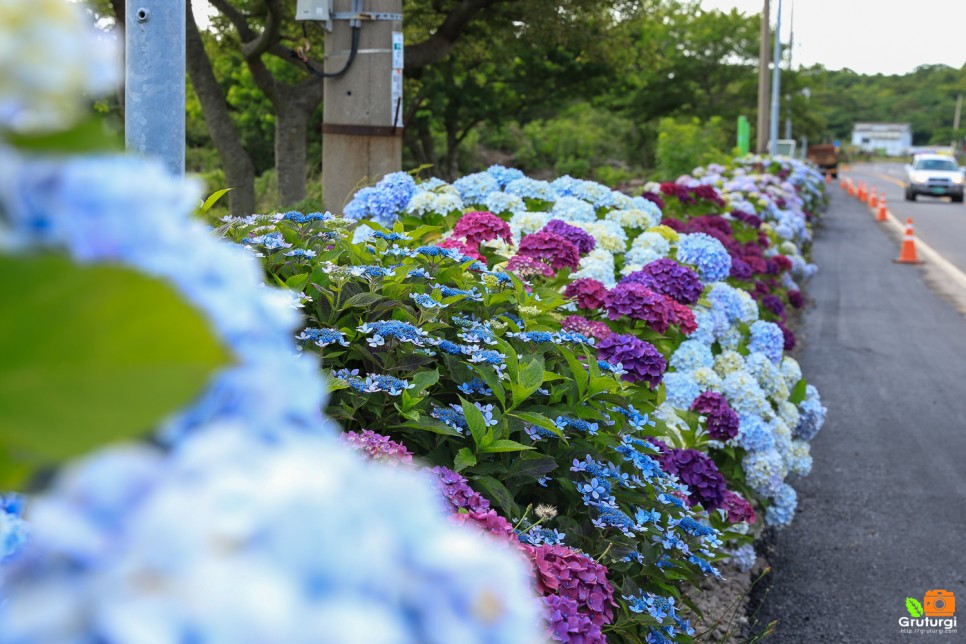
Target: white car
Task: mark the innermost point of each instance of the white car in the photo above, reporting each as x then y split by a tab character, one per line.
935	175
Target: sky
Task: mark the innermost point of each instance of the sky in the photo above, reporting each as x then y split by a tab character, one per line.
868	36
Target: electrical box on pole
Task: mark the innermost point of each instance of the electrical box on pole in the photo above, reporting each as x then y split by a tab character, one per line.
317	10
363	105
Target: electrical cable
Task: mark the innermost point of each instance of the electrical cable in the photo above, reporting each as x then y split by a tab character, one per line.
353	50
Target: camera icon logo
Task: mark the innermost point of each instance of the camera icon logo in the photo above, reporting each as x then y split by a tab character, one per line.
939	603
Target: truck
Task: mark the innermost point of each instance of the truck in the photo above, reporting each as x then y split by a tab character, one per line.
825	156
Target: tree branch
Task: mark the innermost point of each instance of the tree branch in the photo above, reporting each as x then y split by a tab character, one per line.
437	46
237	18
270	33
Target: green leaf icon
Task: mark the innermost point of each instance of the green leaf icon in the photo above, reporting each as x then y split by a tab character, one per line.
914	607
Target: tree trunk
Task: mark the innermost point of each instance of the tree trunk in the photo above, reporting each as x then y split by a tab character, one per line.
239	170
292	114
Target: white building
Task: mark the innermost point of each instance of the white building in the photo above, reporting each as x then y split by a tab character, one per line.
894	139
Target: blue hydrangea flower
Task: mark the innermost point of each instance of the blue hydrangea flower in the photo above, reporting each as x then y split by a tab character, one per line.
322	337
812	415
474	188
573	210
755	434
504	175
781	510
527	188
426	301
565	422
500	203
13	529
767	338
384	202
764	471
681	389
691	355
402	331
597	194
475	386
743	557
268	241
706	254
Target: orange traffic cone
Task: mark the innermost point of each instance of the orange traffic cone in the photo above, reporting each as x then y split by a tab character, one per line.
882	213
828	177
873	200
907	253
863	193
851	188
843	184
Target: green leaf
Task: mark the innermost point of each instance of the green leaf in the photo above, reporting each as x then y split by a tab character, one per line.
532	465
475	421
90	135
93	354
493	382
498	492
531	375
361	300
914	607
432	425
464	459
577	371
424	380
798	393
504	445
212	200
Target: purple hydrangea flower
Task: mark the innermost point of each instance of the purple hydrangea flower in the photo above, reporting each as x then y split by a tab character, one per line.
589	328
583	240
738	508
568	624
477	227
669	278
378	447
722	421
641	361
705	483
741	270
640	303
458	492
588	292
567	573
551	248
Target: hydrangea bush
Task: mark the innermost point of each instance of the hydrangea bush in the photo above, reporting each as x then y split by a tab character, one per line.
548	330
471	369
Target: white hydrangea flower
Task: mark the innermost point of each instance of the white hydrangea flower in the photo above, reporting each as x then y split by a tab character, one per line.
598	264
609	235
634	218
526	222
52	60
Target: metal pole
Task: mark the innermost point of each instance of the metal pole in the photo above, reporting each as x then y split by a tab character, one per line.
959	109
154	87
761	129
776	82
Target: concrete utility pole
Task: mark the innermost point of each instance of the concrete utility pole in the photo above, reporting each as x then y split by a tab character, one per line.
154	85
362	133
761	129
776	82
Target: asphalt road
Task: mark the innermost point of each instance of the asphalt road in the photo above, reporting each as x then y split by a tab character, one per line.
939	222
883	515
